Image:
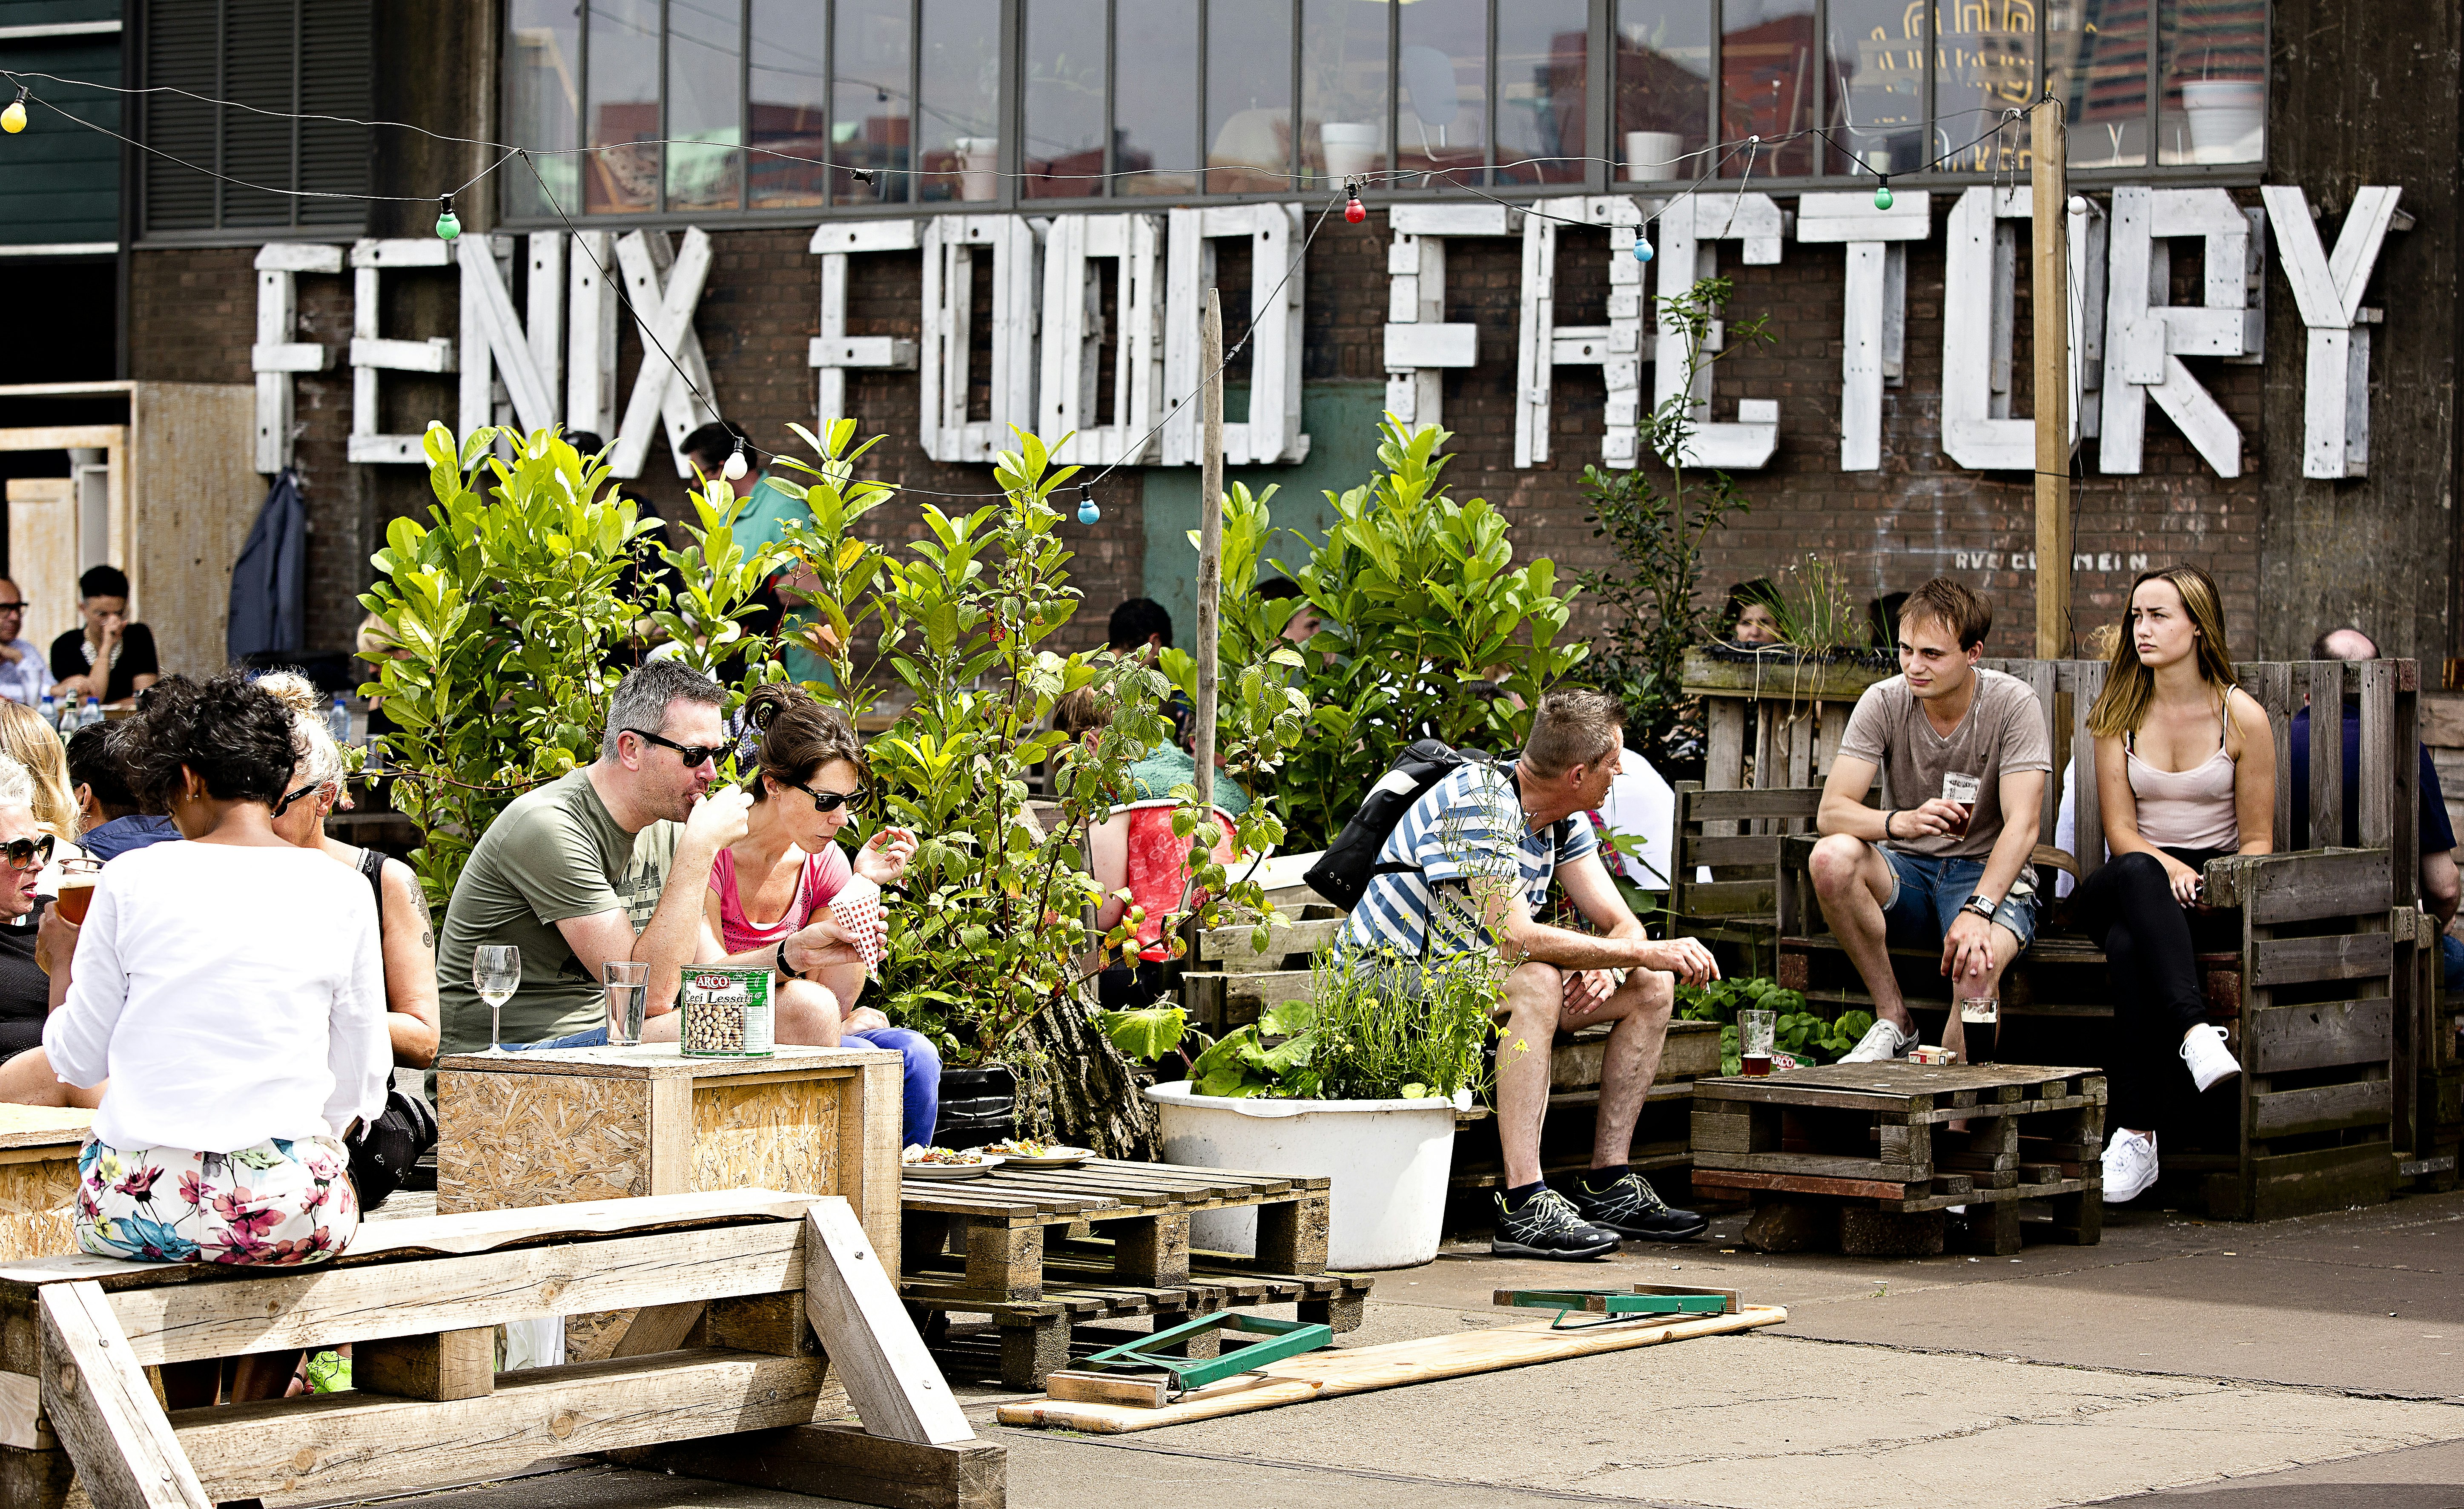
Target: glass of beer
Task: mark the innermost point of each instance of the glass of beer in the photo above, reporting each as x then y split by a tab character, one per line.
1754	1030
629	990
77	880
1960	787
1980	1019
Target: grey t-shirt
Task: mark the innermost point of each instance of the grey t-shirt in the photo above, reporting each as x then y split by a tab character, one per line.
556	853
2003	732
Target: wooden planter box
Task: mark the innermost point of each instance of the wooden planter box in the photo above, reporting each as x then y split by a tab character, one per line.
1799	709
557	1125
39	1179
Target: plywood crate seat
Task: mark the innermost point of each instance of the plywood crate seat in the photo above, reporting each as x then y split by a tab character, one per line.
39	1178
778	1277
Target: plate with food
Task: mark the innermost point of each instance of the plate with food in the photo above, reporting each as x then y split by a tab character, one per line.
1028	1153
946	1162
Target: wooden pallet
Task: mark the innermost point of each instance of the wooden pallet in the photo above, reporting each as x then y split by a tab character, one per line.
1042	1250
781	1277
1881	1138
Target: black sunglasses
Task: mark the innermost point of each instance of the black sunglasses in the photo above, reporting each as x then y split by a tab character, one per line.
284	806
854	801
693	755
18	606
28	853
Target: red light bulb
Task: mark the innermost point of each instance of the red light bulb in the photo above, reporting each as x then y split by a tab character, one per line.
1353	209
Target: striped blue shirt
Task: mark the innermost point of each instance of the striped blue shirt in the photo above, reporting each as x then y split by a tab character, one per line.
1469	825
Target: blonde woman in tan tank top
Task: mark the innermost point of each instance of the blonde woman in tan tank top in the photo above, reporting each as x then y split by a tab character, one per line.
2186	770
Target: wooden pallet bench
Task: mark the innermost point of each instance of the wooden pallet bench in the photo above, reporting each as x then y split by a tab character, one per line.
1043	1250
1902	1139
801	1322
1227	980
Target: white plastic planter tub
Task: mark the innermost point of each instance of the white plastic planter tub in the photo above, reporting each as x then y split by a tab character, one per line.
1388	1161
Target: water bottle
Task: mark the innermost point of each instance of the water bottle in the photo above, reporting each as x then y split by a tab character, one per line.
338	721
91	713
50	711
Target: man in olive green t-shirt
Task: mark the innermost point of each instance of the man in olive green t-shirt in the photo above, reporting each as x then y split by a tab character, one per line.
608	862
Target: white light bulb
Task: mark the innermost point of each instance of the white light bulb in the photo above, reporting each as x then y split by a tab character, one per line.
733	470
2079	204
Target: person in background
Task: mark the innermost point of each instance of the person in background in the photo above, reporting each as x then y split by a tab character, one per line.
1142	627
647	570
2439	885
25	993
789	866
25	674
404	935
1750	617
27	739
109	658
1304	624
2097	646
110	819
2184	773
1924	871
770	506
1135	849
233	991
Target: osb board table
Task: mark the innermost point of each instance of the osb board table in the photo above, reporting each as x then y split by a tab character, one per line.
39	1178
1894	1140
557	1125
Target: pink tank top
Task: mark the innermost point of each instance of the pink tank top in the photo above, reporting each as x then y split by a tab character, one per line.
821	878
2189	808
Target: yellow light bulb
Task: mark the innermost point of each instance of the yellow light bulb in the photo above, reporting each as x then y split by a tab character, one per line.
14	119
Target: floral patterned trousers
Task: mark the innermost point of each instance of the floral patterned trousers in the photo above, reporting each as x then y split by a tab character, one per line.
279	1202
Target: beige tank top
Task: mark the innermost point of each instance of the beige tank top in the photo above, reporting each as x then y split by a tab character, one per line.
2189	808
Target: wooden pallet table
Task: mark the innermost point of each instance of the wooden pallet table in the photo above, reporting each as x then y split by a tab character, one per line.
804	1321
39	1178
1880	1147
1009	1252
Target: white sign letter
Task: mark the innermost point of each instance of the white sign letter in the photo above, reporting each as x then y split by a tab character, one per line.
1542	344
833	351
2146	339
372	354
2336	392
1979	268
1073	337
1872	344
1690	228
1420	346
1272	432
277	356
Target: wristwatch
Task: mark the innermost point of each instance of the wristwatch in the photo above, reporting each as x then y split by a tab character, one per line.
1979	905
779	965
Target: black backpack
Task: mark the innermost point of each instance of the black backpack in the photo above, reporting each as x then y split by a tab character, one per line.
1342	875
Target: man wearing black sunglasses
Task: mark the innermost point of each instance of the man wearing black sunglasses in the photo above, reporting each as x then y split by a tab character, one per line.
609	862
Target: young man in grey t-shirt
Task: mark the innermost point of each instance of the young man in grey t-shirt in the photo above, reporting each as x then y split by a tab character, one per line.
1925	870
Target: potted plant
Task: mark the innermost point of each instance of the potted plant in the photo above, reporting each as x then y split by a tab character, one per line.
1359	1082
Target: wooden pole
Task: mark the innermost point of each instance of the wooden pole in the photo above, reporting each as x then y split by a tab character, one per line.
2050	271
1210	536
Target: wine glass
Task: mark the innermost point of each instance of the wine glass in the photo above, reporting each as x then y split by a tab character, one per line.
495	973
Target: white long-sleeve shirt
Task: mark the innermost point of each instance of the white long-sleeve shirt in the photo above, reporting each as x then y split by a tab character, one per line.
230	994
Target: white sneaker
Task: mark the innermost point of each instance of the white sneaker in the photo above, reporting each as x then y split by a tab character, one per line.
2129	1166
2210	1062
1884	1040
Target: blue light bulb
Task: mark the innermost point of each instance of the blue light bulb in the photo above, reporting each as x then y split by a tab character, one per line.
1087	512
1642	250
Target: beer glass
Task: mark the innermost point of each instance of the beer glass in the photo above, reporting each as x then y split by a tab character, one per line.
1960	787
77	880
1980	1018
1754	1029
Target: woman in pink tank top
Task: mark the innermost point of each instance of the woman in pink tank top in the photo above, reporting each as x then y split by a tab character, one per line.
2185	766
787	886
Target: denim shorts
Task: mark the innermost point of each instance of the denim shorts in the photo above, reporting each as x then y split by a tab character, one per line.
1928	890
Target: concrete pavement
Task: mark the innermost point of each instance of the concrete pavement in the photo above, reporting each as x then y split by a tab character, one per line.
2318	1363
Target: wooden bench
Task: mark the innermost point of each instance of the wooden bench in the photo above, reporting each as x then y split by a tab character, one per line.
1227	980
802	1320
2315	998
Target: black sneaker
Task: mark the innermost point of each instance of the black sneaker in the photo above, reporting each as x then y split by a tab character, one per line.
1632	1208
1547	1226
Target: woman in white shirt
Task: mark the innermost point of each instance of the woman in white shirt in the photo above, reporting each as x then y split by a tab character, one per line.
232	991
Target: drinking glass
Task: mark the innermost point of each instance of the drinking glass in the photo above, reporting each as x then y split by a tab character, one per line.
628	994
1980	1018
1754	1028
77	880
1958	785
495	973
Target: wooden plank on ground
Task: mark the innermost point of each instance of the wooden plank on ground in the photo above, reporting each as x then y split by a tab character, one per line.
897	1390
96	1397
843	1462
333	1444
1332	1374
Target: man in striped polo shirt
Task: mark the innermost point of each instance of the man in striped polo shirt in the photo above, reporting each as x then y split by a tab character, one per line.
1475	856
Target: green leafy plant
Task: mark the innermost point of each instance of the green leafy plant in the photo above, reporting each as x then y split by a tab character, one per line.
1657	524
1814	610
1373	1028
1810	1037
1427	629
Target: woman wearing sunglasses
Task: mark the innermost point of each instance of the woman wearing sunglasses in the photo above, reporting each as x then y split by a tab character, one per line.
788	869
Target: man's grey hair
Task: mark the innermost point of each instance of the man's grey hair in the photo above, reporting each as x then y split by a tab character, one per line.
16	784
1575	725
642	700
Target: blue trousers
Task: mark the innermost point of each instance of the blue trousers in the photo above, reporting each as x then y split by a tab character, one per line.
919	1101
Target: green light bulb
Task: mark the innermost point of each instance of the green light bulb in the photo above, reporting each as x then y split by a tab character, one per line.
1882	197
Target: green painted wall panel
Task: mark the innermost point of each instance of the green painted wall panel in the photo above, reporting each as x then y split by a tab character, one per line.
59	181
1341	420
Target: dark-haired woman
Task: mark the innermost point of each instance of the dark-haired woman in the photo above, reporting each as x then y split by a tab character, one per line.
2187	767
788	871
232	991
